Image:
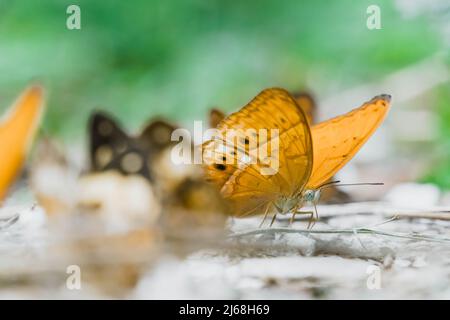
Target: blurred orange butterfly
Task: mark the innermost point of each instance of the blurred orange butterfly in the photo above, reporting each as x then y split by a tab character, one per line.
308	156
16	133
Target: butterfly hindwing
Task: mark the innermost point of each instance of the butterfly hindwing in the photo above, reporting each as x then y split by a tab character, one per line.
243	182
304	100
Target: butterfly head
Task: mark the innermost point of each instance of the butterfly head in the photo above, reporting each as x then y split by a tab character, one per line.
289	204
311	196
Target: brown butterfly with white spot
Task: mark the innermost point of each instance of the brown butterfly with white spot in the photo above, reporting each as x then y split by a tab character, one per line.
188	201
111	148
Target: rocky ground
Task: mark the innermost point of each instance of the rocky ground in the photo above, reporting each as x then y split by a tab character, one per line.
368	250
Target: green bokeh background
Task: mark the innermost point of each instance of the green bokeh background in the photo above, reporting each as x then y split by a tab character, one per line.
179	58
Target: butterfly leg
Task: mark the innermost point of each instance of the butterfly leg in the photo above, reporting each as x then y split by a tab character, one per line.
273	219
294	212
265	215
311	217
313	220
310	213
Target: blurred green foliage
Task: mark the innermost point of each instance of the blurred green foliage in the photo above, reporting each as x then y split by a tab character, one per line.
440	173
178	58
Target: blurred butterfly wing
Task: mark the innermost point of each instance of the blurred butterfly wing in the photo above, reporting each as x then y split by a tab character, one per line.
107	142
337	140
308	105
16	134
215	116
113	149
157	135
241	180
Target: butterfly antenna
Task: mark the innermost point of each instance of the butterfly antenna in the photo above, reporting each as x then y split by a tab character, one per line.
327	184
336	183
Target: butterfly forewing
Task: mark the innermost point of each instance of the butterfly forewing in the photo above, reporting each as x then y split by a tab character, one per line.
337	140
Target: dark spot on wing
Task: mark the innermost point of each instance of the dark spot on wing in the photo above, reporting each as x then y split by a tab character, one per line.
220	167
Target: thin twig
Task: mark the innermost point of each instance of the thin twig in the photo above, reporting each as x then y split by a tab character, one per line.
4	223
418	237
433	215
382	222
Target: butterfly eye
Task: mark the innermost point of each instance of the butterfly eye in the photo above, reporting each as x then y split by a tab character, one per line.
132	162
105	128
309	195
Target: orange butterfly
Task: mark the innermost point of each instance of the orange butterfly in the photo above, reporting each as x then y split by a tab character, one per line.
307	156
16	133
330	194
